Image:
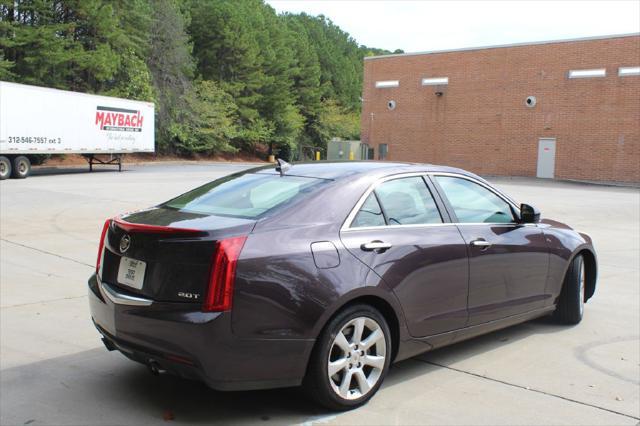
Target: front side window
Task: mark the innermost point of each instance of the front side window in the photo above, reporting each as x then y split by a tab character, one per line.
473	203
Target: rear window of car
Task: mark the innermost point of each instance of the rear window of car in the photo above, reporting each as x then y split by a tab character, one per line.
246	196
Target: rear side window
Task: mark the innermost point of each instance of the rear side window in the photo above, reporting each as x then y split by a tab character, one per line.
473	203
404	201
246	196
370	214
407	201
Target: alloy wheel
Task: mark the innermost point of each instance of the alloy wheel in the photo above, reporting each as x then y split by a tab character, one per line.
357	358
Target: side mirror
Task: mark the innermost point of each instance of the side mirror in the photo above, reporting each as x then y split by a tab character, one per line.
529	214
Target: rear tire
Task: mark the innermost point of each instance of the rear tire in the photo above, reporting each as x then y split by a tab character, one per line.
21	167
5	168
356	347
570	308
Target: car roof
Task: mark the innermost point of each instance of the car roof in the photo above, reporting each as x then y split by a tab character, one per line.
336	170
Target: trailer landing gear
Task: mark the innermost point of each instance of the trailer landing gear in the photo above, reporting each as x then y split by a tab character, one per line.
112	160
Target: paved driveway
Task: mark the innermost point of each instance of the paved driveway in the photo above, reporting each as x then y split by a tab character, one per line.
54	370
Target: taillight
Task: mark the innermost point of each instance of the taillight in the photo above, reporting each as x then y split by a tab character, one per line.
223	274
105	227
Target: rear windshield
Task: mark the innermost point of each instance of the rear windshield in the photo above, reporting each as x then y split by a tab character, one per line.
246	196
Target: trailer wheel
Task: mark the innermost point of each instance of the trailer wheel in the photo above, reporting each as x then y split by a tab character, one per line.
5	167
21	167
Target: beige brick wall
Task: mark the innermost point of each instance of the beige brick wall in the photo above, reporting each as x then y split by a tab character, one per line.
481	122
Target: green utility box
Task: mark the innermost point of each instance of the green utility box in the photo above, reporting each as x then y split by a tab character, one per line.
347	150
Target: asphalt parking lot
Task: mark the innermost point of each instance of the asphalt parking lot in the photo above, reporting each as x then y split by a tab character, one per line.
54	369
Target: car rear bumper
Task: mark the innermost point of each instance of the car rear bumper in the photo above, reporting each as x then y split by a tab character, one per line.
179	338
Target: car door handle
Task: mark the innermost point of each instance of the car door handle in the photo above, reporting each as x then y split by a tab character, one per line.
483	244
377	246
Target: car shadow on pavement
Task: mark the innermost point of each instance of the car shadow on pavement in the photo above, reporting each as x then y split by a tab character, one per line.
100	387
448	355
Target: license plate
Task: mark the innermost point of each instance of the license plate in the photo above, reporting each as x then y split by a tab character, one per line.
131	272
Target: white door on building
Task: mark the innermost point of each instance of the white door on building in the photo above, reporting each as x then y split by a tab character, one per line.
546	157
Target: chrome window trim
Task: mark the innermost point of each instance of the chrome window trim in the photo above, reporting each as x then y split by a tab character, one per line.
346	226
423	225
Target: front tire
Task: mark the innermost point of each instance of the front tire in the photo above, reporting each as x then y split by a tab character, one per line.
5	168
570	308
21	167
350	359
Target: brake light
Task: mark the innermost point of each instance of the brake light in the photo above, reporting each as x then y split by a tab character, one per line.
154	229
223	274
105	227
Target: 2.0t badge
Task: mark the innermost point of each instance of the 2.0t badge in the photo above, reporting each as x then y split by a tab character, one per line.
125	243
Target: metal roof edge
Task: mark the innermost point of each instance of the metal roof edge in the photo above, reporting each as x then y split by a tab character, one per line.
498	46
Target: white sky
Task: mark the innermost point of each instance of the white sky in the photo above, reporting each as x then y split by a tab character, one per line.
435	25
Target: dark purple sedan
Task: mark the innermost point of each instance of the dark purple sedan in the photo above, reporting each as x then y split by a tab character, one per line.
323	274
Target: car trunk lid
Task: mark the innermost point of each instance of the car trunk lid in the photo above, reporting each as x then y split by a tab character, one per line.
165	254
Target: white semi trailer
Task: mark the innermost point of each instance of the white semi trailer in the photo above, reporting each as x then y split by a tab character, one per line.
37	120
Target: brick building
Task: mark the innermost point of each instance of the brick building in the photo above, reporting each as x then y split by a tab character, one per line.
564	109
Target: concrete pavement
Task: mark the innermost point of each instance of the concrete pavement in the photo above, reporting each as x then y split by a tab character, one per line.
54	370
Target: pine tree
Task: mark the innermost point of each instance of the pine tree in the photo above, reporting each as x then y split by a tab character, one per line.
306	78
278	103
83	45
226	49
171	66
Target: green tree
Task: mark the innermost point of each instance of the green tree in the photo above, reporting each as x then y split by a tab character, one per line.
244	46
5	68
132	45
339	57
337	121
82	45
327	78
132	80
305	73
372	51
208	123
171	66
227	51
277	103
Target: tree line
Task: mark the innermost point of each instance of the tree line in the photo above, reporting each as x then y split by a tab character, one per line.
225	75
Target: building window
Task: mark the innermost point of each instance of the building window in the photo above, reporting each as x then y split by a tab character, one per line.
599	72
387	84
435	81
625	71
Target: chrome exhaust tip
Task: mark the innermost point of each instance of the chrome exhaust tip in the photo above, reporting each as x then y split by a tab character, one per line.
155	368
